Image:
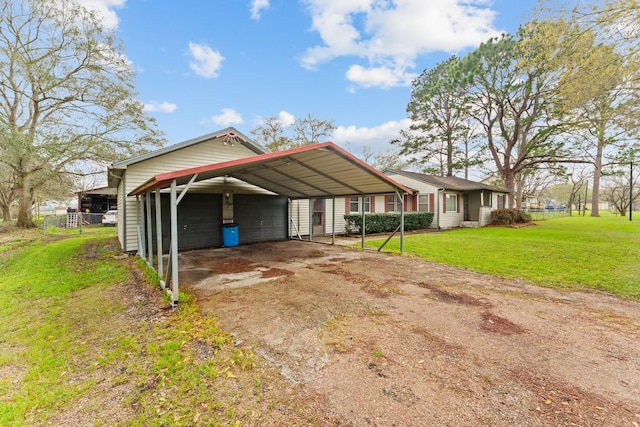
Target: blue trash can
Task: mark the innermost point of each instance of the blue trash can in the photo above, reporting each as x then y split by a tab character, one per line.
230	234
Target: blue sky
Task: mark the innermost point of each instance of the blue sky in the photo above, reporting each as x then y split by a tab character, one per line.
205	65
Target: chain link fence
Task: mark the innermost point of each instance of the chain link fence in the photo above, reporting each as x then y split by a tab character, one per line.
538	214
72	220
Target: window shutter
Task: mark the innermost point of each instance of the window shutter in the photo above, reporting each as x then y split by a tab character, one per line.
347	205
372	204
458	200
386	203
414	203
432	203
444	203
405	202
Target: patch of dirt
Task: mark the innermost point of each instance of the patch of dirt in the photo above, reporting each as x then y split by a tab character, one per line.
375	339
500	325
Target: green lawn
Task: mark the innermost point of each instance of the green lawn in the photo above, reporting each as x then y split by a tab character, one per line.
76	340
572	252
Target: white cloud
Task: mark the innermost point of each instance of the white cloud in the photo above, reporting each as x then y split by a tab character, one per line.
206	61
162	107
287	119
377	138
105	9
389	36
228	117
379	76
257	6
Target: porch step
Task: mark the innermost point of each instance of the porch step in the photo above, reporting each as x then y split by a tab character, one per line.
469	224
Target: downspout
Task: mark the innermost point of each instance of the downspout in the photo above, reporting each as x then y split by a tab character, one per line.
438	207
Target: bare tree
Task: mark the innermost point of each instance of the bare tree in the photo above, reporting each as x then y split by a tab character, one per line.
66	96
383	160
275	135
616	192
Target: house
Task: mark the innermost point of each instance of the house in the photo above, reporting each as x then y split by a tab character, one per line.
455	202
224	145
533	203
277	198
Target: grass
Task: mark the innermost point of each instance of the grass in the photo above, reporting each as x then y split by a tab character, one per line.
571	252
40	336
78	346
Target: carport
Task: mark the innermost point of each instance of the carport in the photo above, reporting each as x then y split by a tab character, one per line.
311	172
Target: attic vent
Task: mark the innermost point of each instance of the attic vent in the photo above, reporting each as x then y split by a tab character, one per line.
231	138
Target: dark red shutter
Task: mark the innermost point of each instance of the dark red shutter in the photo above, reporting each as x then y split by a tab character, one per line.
372	204
414	202
347	206
432	202
444	203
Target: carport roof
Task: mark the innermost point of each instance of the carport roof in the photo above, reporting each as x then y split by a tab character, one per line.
313	171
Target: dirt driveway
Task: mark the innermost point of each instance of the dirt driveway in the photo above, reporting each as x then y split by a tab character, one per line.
387	340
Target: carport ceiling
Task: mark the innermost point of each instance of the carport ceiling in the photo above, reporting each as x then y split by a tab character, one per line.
314	171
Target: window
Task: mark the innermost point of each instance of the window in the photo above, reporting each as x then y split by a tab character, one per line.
423	203
502	201
452	203
354	204
487	198
393	204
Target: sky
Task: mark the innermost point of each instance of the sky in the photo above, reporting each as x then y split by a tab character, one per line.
205	65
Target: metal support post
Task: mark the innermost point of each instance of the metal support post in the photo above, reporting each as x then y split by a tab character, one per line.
147	199
159	237
364	226
333	218
174	244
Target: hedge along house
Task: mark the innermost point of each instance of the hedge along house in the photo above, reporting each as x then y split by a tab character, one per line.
455	202
172	202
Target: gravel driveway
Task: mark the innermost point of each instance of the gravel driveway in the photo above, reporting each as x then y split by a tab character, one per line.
388	340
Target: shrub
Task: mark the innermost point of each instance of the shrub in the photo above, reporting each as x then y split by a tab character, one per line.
509	216
387	222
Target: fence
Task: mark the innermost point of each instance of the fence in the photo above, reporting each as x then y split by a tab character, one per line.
72	220
538	214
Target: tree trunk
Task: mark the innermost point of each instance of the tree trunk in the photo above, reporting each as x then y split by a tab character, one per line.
449	156
25	199
519	197
6	212
597	173
509	183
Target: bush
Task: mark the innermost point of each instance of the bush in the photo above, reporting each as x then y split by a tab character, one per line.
388	222
509	216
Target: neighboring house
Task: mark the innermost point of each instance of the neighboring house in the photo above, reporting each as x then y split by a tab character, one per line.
533	204
455	202
227	144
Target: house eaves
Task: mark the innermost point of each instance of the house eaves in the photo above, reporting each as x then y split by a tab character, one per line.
451	183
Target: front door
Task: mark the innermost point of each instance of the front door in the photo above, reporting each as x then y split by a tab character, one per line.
318	217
